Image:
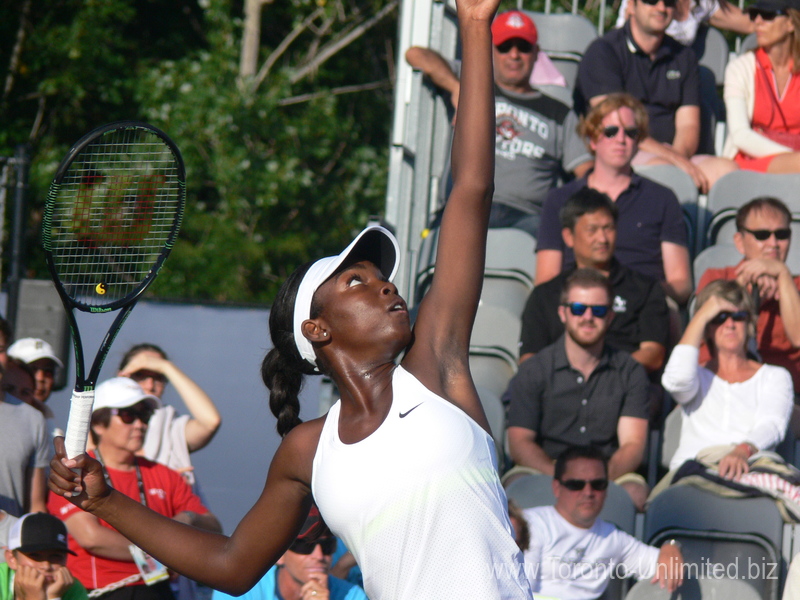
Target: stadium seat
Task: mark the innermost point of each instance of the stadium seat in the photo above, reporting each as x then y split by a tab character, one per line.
732	532
738	188
682	184
696	589
497	327
712	51
496	415
564	37
714	257
511	252
491	368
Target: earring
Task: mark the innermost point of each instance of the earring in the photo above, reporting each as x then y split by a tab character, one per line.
324	334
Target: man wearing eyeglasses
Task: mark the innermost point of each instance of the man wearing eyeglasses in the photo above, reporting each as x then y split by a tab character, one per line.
536	143
581	391
303	572
105	560
763	236
642	60
574	554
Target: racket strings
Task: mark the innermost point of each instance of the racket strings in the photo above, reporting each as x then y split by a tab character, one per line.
113	214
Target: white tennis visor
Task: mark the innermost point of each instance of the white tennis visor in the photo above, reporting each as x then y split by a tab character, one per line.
375	244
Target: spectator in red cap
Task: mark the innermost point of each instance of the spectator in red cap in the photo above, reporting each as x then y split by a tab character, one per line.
536	143
303	572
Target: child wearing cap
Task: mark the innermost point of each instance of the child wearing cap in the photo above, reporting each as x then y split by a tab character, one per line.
36	562
42	360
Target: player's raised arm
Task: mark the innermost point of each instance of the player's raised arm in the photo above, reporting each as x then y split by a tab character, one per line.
447	313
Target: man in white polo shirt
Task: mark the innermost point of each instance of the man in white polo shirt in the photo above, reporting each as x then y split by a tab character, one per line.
573	554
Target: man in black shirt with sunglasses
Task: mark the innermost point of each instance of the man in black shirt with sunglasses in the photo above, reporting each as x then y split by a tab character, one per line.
763	236
642	60
580	391
536	144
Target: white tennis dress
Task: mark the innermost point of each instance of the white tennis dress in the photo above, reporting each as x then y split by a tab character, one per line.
419	502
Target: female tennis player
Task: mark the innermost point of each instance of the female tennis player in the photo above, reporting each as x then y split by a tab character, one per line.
402	467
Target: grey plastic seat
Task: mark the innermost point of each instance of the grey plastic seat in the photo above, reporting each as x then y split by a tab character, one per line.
491	368
696	589
712	52
564	37
497	327
718	530
684	188
715	257
537	490
738	188
510	252
496	415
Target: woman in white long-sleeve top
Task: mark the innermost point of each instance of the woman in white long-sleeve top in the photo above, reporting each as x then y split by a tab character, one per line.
733	399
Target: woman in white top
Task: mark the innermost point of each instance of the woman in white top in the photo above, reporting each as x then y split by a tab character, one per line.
762	93
688	15
403	466
733	399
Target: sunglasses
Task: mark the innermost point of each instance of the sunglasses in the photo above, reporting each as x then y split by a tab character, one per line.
578	308
612	130
129	415
763	235
766	15
667	3
738	316
306	547
524	46
142	375
577	485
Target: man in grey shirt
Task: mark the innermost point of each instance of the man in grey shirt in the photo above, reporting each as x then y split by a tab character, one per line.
536	139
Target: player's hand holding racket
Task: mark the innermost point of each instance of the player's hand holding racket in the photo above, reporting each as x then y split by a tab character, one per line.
112	216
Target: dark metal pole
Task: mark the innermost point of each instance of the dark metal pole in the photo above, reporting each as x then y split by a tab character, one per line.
17	260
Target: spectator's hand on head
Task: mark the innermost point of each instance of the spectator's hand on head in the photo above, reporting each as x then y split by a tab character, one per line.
712	307
669	568
316	588
146	360
29	583
62	580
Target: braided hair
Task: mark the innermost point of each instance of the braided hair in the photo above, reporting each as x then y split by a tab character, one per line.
283	368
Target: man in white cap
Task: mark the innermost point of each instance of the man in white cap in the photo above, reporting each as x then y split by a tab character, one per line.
103	558
36	562
42	360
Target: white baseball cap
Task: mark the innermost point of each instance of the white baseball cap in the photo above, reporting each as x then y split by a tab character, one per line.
375	244
30	349
122	392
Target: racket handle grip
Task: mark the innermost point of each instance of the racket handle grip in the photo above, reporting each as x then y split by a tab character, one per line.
80	417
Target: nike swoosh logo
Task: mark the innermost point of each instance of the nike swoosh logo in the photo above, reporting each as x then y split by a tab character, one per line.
405	414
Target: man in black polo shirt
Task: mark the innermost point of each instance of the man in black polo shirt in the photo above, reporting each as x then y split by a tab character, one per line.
580	391
641	321
642	60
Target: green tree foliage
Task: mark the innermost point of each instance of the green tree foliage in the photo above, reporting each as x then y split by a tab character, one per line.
282	166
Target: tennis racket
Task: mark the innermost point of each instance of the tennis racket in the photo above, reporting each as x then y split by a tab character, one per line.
112	216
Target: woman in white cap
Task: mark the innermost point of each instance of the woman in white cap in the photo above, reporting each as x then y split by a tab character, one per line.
403	467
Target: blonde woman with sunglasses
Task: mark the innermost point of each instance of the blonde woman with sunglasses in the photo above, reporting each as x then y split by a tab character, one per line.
734	399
